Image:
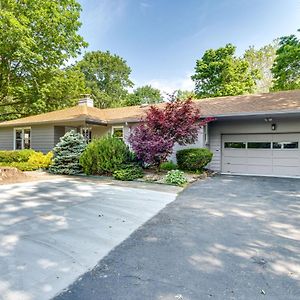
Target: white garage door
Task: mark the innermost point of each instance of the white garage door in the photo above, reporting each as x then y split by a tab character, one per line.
261	154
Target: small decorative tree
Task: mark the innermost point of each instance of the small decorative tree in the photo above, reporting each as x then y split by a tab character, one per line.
177	122
67	154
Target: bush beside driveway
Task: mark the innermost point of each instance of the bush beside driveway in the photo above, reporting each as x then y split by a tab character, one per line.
223	238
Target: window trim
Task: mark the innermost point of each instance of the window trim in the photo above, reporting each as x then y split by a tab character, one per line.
15	135
117	127
90	133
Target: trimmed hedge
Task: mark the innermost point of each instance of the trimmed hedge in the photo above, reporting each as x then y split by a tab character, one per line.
15	156
25	160
193	159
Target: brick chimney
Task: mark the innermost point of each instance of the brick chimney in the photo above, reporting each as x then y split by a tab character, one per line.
86	100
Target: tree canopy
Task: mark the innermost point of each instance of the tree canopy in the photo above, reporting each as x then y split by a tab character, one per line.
37	38
106	76
286	68
262	60
144	95
220	73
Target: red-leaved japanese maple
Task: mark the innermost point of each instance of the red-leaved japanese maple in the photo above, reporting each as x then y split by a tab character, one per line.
176	122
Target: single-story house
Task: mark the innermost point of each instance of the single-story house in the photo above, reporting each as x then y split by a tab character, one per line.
252	134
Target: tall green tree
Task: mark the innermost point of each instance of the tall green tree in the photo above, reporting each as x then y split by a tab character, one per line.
220	73
107	77
36	38
144	95
262	60
286	68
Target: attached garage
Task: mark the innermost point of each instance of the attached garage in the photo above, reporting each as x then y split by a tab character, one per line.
261	154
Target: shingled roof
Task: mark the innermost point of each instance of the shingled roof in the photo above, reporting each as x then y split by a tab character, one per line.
287	101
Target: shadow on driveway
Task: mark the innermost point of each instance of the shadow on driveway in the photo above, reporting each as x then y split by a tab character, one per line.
223	238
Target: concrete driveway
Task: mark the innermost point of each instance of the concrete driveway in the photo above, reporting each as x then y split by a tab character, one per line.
223	238
52	232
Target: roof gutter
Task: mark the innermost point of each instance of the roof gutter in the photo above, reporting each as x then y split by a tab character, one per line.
251	114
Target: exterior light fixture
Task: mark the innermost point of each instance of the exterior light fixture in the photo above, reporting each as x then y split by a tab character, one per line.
273	127
268	120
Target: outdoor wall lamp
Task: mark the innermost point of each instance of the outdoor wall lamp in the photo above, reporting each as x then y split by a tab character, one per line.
268	120
273	127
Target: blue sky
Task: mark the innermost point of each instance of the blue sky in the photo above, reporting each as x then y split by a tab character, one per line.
162	39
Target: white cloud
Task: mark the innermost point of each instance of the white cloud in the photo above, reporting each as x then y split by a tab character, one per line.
171	85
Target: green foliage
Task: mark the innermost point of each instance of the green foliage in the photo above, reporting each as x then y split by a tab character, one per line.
143	95
286	68
25	160
193	159
168	166
129	173
67	154
37	38
220	73
175	177
107	77
15	156
262	60
105	155
40	160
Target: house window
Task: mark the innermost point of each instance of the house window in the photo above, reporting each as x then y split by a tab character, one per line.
235	145
22	138
285	145
259	145
86	133
118	132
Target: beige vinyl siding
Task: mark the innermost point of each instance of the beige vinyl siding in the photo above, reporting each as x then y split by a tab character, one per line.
253	126
6	138
99	131
42	138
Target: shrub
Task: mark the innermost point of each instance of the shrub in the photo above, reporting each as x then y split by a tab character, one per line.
36	160
67	153
175	177
154	138
193	159
129	173
168	166
105	155
15	155
40	160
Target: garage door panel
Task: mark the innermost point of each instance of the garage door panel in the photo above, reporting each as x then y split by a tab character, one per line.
234	153
259	169
286	171
259	161
268	154
235	160
258	153
285	153
289	162
234	168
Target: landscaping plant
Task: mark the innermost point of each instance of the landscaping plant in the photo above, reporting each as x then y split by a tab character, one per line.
193	159
67	153
175	177
168	166
25	160
128	173
177	122
105	155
